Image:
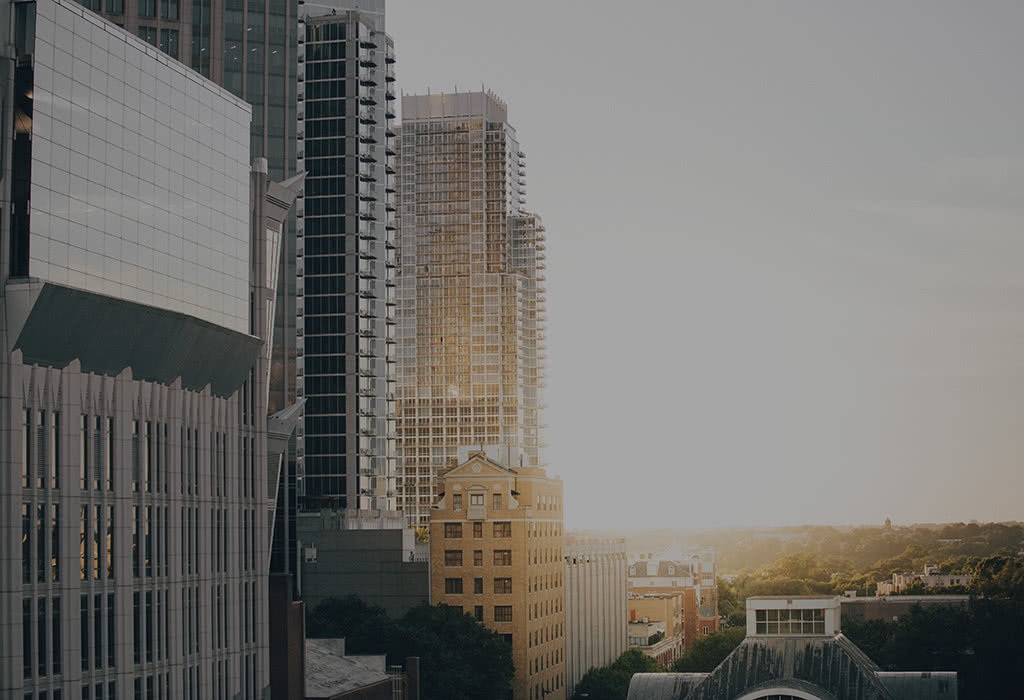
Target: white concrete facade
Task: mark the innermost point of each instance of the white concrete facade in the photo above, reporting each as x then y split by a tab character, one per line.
595	606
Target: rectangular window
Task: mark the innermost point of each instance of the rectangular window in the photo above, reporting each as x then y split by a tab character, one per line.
478	530
115	7
478	613
40	543
83	453
135	424
96	523
41	637
453	585
110	631
502	585
26	447
478	586
136	627
26	543
135	541
110	453
53	449
40	448
457	502
55	542
26	637
503	529
169	9
149	626
147	457
109	526
147	8
55	626
503	613
503	557
478	557
496	501
453	557
476	499
83	623
453	530
97	629
83	542
148	541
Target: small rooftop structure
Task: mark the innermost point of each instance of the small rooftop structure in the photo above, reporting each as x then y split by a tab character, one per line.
331	674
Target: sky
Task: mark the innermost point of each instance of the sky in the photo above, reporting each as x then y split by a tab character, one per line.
785	249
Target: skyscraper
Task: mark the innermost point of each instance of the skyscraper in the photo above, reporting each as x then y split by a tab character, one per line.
248	47
346	262
470	292
139	272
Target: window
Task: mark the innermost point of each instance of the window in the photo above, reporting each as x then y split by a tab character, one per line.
496	501
478	530
147	8
503	613
790	621
453	530
478	557
478	613
115	7
502	585
147	34
169	9
453	557
502	557
476	499
169	41
457	502
453	585
478	586
503	529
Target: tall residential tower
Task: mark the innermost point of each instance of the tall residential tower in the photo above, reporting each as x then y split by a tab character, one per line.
470	292
346	264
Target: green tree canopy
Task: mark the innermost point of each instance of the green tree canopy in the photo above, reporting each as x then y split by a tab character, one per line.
707	652
459	657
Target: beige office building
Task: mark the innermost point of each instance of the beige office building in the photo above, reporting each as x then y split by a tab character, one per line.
595	605
470	292
496	553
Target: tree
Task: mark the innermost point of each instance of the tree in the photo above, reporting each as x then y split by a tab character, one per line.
707	652
459	657
612	682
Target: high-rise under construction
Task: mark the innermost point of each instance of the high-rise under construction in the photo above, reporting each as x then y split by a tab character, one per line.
471	265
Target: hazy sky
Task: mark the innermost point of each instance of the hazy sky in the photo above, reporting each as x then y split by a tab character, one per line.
786	248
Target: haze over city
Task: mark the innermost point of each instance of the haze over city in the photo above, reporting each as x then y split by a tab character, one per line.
784	244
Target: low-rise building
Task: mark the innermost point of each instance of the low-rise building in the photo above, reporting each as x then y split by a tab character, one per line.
691	572
595	605
665	610
931	578
891	609
795	648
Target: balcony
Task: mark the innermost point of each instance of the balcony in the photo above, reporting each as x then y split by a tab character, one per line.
367	116
368	59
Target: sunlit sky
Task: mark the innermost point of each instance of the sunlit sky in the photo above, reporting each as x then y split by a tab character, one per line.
786	249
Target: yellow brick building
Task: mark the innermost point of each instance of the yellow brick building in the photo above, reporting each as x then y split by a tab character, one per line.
496	553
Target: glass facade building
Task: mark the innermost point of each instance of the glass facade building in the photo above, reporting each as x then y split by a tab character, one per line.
249	48
138	276
470	292
346	262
